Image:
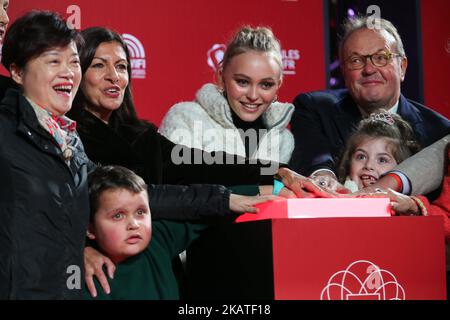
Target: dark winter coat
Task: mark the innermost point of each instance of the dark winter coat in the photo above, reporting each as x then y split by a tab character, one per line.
43	208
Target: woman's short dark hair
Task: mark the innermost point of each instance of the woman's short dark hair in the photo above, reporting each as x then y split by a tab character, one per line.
34	33
126	113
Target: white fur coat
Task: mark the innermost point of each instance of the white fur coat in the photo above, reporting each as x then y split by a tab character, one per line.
207	124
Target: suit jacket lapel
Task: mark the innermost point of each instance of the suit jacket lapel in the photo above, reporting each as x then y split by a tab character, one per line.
348	117
408	112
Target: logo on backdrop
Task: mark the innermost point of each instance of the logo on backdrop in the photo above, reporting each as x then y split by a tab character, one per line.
363	280
215	55
290	58
137	56
447	48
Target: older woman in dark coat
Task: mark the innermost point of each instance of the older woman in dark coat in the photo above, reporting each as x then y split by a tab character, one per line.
43	191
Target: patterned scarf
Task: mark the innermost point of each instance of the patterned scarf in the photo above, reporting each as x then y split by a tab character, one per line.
61	128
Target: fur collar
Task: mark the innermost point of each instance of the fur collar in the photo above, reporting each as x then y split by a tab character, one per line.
214	103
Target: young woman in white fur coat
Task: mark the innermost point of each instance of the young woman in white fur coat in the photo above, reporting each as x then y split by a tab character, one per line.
239	115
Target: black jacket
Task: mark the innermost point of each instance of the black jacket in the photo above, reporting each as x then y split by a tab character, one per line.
43	208
149	154
323	121
5	84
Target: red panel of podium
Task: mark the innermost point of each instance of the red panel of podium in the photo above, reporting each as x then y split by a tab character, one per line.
381	258
359	258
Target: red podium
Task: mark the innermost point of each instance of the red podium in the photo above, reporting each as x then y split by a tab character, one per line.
382	258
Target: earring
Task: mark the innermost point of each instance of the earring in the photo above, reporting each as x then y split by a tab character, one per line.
222	92
275	99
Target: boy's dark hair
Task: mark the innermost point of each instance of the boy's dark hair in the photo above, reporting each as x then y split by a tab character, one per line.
34	33
112	178
381	124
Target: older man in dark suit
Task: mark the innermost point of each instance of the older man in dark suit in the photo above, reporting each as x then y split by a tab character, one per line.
374	64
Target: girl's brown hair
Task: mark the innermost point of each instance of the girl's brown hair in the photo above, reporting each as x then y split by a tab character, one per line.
381	124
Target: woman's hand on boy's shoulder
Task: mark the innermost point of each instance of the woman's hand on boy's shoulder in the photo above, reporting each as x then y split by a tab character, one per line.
93	265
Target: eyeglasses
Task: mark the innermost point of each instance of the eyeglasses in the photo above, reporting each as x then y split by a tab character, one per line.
357	62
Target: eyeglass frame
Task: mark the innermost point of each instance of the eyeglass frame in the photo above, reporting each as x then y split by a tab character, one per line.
390	56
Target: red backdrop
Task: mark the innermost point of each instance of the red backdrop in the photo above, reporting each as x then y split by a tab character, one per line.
176	37
436	54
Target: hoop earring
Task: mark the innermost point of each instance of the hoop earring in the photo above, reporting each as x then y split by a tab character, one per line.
222	92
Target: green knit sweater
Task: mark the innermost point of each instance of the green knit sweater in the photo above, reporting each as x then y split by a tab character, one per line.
149	275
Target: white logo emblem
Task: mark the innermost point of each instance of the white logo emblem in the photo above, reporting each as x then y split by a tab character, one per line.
137	56
363	280
215	55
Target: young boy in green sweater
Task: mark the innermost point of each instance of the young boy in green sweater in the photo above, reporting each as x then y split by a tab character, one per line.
122	229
